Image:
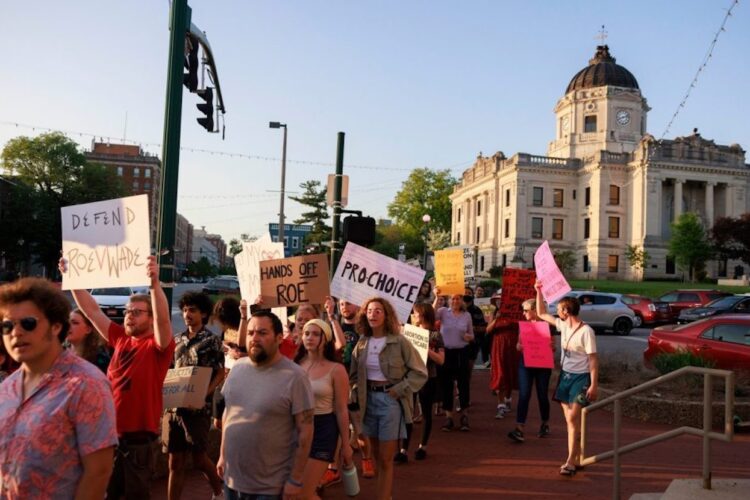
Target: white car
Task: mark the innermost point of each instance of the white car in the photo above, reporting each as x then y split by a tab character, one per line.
112	301
603	311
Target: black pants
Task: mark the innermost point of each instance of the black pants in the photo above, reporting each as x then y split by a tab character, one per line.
132	471
456	369
426	398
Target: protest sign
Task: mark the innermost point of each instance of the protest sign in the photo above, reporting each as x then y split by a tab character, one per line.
536	344
106	244
518	285
485	304
296	280
186	387
468	252
554	284
247	264
449	271
362	274
419	338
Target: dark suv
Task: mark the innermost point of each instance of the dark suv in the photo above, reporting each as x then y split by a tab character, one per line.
685	299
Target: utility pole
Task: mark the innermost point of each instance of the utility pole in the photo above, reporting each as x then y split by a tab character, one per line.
179	25
337	204
283	181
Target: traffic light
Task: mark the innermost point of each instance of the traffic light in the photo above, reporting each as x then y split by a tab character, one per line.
207	108
190	79
359	230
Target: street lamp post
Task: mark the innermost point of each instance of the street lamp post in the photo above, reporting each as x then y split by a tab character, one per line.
283	179
426	219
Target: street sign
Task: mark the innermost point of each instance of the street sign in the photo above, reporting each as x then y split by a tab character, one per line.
332	188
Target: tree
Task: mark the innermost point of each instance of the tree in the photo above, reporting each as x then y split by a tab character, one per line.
314	197
59	175
730	237
566	260
235	247
389	237
425	191
689	244
637	258
201	268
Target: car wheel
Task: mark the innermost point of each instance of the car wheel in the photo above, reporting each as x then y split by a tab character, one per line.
622	326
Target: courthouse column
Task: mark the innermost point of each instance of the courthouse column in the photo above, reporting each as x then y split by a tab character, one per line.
677	198
710	204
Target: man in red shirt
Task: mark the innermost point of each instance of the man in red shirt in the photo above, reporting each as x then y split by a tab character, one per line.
143	350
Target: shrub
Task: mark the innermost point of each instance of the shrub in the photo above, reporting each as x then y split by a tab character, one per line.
490	286
669	362
496	271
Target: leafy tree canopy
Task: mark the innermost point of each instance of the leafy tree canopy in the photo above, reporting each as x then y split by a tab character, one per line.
314	197
689	245
731	237
425	191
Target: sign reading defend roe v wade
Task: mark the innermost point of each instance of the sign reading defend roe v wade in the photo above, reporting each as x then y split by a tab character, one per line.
554	285
518	285
362	274
186	387
297	280
106	243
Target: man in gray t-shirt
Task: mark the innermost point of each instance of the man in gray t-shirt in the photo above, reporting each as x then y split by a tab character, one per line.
268	421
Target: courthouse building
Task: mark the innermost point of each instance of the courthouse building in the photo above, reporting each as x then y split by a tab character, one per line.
604	183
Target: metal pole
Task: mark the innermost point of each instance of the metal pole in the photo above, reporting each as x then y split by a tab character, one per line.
179	24
707	421
616	449
283	184
337	203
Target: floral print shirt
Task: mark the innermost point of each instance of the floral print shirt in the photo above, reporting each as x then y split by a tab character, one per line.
205	349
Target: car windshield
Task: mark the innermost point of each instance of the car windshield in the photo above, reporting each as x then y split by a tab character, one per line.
111	291
723	302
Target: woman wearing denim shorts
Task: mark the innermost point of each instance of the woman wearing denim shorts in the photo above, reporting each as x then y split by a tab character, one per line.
385	371
578	384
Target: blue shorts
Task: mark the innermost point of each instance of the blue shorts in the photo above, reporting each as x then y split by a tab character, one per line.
325	437
383	419
572	388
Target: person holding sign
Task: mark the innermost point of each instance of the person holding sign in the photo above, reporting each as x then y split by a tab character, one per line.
528	376
330	386
143	349
386	370
458	333
579	383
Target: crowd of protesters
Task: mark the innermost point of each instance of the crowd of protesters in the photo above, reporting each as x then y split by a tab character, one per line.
293	397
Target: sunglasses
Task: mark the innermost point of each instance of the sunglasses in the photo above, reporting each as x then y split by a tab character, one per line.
27	324
135	312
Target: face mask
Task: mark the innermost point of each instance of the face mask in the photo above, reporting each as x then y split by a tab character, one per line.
468	299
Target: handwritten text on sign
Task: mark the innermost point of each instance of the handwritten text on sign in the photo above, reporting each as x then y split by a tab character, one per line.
247	264
536	344
449	271
297	280
186	387
518	285
419	338
362	274
554	284
106	243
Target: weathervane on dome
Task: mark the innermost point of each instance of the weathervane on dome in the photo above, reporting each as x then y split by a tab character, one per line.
602	36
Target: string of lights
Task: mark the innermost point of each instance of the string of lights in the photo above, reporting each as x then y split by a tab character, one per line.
701	68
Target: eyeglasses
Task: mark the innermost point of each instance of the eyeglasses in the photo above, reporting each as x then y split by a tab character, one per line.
27	324
135	312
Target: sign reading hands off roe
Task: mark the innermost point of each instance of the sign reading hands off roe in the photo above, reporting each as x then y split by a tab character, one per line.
362	274
106	243
554	285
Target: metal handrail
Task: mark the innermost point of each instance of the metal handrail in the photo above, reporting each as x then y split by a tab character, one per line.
705	432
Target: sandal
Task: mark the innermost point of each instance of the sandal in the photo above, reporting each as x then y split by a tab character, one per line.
568	470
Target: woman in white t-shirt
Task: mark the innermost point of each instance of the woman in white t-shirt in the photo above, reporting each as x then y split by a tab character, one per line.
578	385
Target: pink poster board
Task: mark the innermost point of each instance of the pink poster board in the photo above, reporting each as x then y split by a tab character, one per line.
536	344
554	285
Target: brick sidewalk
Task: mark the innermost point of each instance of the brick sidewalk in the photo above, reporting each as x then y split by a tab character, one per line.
485	464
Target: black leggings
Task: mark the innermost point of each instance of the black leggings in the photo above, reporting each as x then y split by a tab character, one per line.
426	398
456	368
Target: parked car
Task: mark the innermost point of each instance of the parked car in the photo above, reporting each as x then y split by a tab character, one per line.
228	285
112	301
603	311
685	299
731	304
722	339
650	311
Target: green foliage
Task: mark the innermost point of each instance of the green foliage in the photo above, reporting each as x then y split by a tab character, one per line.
202	268
314	196
730	237
647	288
490	286
496	271
669	362
388	239
689	244
566	260
637	257
235	247
425	191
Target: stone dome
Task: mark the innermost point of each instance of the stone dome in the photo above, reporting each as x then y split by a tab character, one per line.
602	71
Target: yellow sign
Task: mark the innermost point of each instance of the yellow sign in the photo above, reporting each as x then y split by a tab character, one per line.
449	271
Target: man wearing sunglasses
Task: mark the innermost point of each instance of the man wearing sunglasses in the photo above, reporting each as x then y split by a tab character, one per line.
143	350
57	416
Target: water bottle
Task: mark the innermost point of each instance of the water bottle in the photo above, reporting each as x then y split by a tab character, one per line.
351	481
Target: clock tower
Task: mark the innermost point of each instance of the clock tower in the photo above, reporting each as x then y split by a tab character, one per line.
602	109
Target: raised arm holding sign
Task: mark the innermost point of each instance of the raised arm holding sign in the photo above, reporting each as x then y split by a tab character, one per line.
555	285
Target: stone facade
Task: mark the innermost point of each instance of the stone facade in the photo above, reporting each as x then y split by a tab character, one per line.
604	184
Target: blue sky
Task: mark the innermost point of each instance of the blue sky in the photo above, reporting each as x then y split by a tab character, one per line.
412	83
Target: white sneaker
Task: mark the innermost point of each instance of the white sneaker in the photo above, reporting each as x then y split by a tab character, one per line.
501	411
508	405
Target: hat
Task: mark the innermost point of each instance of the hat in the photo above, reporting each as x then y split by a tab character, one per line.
323	326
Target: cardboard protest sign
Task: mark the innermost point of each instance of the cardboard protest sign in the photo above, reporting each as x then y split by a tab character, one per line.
449	271
468	252
536	344
247	264
518	285
186	387
485	304
419	338
362	274
106	244
296	280
554	284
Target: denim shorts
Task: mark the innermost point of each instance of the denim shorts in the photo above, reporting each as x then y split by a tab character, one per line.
325	437
383	419
571	386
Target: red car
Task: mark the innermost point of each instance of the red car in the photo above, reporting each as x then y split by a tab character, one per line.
725	340
648	310
684	299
